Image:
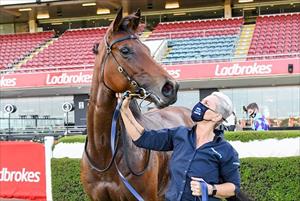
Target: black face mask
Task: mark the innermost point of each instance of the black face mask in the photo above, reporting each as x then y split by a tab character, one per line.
198	112
252	115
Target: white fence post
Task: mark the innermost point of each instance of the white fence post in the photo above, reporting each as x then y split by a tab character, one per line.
48	155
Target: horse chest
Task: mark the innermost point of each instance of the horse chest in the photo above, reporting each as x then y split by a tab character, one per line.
109	191
105	188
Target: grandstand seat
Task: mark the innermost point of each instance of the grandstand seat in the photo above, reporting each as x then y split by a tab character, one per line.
219	48
199	28
276	34
199	40
72	49
14	47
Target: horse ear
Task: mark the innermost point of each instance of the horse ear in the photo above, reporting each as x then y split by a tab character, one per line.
138	13
136	20
118	19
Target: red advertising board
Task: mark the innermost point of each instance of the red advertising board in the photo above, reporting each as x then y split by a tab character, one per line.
22	171
234	69
229	70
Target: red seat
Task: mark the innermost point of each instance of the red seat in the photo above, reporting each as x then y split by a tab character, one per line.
18	45
199	28
275	34
78	44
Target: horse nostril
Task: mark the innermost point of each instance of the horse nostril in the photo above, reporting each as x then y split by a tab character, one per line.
168	89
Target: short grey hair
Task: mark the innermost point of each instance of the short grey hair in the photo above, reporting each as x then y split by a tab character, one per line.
224	107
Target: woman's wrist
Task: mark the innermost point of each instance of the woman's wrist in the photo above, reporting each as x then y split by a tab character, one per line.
209	189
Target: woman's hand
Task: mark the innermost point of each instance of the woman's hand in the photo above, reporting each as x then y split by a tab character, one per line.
132	126
196	187
126	101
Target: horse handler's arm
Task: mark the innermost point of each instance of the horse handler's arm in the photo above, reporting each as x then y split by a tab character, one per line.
132	126
224	190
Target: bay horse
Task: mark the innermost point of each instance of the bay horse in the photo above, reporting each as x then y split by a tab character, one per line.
124	63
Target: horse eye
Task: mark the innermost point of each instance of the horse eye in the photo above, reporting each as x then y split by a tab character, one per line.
125	50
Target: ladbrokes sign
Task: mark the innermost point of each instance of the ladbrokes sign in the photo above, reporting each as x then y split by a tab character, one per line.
65	78
179	72
22	171
7	82
19	176
33	80
239	70
229	70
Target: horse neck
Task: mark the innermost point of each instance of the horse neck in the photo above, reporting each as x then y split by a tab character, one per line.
100	114
101	108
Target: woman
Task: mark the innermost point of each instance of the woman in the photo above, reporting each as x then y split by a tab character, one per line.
198	153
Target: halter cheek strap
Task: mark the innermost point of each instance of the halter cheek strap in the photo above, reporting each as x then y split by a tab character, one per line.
120	68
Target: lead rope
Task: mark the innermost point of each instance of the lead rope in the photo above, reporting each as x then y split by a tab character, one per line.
204	190
113	144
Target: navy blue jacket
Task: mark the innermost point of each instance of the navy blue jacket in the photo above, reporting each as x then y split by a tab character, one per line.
216	161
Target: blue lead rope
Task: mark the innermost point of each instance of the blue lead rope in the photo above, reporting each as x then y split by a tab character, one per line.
113	149
204	190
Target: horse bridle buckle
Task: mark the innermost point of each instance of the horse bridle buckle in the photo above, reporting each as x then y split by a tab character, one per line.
120	69
133	83
108	49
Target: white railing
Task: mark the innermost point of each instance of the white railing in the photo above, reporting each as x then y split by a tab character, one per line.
50	129
279	14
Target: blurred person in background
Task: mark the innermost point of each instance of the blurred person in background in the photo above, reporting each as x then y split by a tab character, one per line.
259	121
231	122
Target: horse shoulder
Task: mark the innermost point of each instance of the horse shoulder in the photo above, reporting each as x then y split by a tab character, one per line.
169	117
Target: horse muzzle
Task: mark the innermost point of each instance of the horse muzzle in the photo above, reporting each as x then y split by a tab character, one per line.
169	93
170	89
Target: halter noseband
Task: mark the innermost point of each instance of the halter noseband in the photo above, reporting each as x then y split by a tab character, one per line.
140	91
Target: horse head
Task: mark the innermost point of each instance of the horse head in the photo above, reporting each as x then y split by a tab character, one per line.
126	63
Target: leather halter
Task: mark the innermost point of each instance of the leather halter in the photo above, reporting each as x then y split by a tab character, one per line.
140	92
138	89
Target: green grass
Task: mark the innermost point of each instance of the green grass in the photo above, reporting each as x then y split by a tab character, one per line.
66	185
72	139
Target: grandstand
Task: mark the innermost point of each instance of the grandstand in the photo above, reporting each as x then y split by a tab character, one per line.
276	34
198	39
204	48
188	42
15	47
197	28
72	48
